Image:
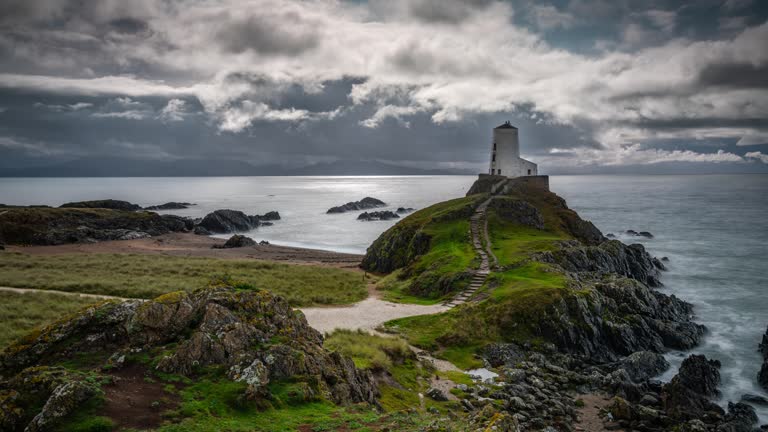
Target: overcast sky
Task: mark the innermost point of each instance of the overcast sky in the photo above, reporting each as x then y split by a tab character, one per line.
593	85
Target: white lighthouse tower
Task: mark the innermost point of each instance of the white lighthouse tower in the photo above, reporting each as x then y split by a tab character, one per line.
505	154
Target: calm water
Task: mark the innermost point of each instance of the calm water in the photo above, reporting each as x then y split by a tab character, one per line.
713	228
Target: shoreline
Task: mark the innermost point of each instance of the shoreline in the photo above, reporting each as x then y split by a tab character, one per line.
192	245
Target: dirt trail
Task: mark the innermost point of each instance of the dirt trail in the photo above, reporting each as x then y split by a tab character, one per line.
364	315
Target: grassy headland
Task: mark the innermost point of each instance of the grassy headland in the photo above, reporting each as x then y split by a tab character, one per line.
148	276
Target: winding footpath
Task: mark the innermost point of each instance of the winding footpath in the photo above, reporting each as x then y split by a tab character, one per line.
478	228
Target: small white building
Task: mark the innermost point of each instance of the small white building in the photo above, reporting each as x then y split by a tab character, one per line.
505	154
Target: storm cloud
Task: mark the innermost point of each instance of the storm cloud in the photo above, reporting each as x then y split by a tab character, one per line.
590	83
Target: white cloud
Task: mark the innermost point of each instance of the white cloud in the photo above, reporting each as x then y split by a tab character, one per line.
174	111
128	115
446	59
762	157
632	155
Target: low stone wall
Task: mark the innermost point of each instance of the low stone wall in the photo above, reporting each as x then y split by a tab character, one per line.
541	181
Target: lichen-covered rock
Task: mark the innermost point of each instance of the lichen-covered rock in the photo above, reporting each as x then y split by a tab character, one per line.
254	336
687	396
62	401
517	211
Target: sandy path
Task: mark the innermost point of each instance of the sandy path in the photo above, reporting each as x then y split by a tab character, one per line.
366	315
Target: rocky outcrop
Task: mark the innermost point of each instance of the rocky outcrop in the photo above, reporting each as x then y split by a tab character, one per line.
611	256
364	204
634	233
106	204
253	336
170	206
230	221
236	241
740	418
52	226
688	395
402	210
377	215
517	211
762	376
615	318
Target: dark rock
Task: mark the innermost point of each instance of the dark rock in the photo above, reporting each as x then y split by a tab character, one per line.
658	264
643	365
236	241
518	212
253	336
437	394
53	226
610	235
202	230
170	206
228	221
762	376
503	354
665	259
405	210
107	204
2	246
645	234
269	216
377	215
363	204
754	399
631	232
687	396
611	256
264	243
740	418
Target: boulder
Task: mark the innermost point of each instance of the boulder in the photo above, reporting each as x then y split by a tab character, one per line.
643	365
363	204
269	216
645	234
402	210
740	418
107	204
228	221
687	396
377	215
170	206
437	394
236	241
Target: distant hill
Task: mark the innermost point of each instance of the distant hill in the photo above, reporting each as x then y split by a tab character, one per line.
116	167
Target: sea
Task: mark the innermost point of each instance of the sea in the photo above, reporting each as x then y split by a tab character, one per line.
713	229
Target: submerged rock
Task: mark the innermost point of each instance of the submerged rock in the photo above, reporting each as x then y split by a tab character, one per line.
754	399
402	210
377	215
740	418
253	336
229	221
364	204
107	204
236	241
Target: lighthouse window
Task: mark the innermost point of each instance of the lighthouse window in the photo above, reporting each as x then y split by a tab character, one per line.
494	146
494	158
529	172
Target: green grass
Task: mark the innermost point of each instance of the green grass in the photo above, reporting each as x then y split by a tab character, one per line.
147	276
368	351
512	243
20	313
395	290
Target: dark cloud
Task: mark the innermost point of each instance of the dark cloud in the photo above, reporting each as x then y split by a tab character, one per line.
735	75
129	25
445	11
284	34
